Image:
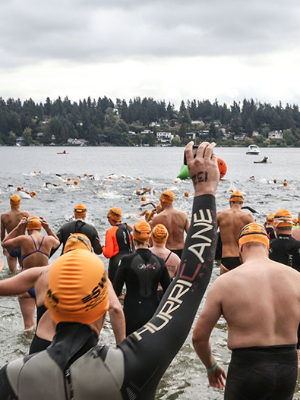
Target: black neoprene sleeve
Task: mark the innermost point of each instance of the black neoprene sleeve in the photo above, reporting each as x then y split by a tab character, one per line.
149	351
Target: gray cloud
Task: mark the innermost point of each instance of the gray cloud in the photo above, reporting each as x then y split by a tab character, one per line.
96	30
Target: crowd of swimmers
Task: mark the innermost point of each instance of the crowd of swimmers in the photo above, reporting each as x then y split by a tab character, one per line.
165	262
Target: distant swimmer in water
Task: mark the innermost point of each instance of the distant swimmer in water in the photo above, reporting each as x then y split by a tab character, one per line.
253	299
285	184
21	189
230	223
9	220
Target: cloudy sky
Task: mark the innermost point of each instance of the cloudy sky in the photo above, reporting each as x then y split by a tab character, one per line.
165	49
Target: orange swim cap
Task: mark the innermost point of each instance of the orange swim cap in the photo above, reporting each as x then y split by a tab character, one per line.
141	231
143	198
186	193
69	179
159	234
15	200
167	196
159	208
270	218
295	221
80	210
77	241
32	193
115	214
283	218
237	196
77	293
147	214
75	183
19	188
254	232
33	222
138	192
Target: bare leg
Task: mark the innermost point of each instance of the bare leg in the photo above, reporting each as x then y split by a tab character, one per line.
1	265
12	262
223	269
27	305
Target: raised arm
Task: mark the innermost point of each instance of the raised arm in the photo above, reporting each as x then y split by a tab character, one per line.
20	283
149	350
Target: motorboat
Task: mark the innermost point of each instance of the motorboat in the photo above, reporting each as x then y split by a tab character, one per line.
253	149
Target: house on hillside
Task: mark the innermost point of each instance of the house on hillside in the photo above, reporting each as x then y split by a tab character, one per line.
275	135
164	137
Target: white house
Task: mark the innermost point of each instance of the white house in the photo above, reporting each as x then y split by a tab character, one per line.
164	137
275	135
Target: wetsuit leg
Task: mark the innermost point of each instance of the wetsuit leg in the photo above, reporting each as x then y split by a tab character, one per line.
268	373
231	262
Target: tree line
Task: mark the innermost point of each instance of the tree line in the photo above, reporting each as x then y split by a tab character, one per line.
104	121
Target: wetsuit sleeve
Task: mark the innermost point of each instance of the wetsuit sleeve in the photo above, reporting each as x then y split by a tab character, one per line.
149	351
96	243
6	392
110	243
120	277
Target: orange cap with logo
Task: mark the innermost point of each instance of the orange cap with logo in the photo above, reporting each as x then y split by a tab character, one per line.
254	232
33	223
159	234
270	218
15	200
77	288
80	210
141	231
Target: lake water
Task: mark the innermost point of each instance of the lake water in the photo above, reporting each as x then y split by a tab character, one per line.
119	172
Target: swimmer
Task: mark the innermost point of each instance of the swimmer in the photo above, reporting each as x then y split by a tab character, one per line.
38	278
230	223
296	231
141	272
159	236
176	222
253	299
35	251
118	241
78	225
9	220
140	360
269	226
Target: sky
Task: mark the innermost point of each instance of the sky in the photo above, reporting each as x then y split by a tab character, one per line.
170	50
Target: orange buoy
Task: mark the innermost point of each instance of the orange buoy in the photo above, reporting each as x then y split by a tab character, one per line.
222	167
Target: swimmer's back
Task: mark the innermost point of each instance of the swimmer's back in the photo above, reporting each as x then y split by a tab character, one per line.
230	223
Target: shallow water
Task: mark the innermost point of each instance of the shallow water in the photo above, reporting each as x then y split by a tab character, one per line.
118	173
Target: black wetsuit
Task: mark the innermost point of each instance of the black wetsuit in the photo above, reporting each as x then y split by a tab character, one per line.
39	344
286	250
141	271
78	227
133	369
266	373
